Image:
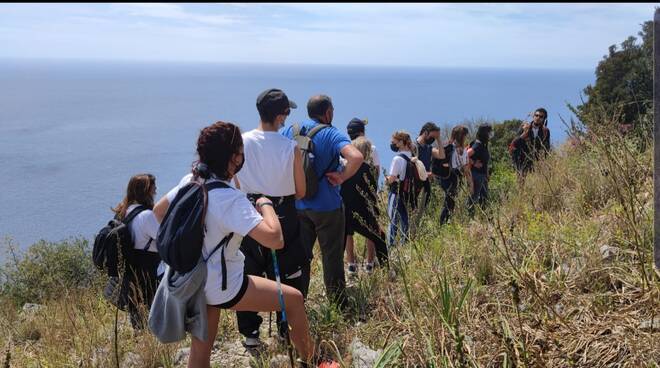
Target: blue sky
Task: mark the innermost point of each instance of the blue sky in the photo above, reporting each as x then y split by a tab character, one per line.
565	36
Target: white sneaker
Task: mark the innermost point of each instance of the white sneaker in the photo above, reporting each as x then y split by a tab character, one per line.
369	268
352	269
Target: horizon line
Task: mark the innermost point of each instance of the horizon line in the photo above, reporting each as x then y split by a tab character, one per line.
237	63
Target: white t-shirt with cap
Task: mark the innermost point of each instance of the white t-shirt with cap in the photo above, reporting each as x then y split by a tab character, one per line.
268	167
228	211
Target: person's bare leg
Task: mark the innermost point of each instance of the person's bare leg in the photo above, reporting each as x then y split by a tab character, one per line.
350	249
262	296
371	251
200	351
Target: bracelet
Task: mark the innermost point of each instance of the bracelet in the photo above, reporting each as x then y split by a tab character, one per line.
266	204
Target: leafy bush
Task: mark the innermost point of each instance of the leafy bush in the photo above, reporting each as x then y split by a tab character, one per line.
46	270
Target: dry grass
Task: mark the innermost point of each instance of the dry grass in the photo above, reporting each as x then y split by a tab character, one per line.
524	284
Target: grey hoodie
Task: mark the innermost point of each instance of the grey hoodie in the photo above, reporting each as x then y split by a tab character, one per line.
180	305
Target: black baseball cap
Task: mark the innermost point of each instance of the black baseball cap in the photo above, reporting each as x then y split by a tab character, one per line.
273	102
356	126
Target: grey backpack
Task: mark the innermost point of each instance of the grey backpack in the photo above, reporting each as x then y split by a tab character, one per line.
307	150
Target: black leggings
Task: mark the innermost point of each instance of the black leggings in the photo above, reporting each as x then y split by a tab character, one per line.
372	232
450	186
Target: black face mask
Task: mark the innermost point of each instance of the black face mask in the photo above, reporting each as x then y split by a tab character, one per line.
394	148
430	140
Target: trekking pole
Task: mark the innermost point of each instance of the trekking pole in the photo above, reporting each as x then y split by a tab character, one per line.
285	324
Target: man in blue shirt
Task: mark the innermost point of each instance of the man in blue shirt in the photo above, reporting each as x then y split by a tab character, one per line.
322	215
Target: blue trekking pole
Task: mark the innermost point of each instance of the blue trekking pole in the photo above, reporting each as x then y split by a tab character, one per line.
285	324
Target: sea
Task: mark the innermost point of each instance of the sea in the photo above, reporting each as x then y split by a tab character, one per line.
72	133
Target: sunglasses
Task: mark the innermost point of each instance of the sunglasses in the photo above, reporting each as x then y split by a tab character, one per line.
539	116
287	112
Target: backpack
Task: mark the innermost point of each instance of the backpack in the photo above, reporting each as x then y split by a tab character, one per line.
181	234
111	239
306	146
442	167
412	185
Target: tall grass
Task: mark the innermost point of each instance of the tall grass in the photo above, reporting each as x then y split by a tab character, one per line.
523	284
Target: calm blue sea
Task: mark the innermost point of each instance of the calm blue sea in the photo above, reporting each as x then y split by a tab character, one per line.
73	133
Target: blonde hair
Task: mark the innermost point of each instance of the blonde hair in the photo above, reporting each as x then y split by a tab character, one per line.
405	139
364	146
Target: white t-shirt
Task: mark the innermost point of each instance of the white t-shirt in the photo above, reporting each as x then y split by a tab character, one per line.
268	167
228	211
398	165
144	227
459	160
535	132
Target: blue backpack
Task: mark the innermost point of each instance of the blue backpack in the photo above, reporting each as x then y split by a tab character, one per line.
181	233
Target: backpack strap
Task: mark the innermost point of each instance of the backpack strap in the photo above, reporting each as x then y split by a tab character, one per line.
216	185
222	245
148	244
136	211
295	129
312	132
404	157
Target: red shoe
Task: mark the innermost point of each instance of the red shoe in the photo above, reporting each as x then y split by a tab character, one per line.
329	364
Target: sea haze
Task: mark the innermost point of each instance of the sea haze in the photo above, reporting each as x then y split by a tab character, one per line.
73	133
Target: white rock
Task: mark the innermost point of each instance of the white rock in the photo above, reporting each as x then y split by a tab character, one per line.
31	308
181	356
607	252
131	360
363	356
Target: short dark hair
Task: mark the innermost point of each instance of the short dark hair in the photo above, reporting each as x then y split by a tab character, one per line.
317	106
544	111
429	127
483	131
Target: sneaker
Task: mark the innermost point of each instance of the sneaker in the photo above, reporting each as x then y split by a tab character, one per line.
252	343
369	268
352	269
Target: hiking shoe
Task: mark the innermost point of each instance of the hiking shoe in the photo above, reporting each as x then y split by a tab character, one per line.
369	268
252	343
352	269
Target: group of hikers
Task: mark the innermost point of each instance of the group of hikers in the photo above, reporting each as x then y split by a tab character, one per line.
269	194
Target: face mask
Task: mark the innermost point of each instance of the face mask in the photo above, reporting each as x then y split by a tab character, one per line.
430	140
394	148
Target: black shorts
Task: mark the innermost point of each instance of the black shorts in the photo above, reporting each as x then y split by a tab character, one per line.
237	298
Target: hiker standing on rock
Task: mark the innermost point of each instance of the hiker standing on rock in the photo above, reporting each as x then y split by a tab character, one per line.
229	217
273	168
320	212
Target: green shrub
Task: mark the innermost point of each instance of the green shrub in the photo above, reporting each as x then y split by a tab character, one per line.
46	270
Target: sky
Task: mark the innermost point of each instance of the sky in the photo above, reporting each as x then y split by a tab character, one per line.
556	36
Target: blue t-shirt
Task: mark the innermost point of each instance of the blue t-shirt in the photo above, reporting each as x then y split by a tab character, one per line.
327	144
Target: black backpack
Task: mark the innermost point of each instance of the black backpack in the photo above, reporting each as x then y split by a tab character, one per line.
181	234
306	146
111	239
412	185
